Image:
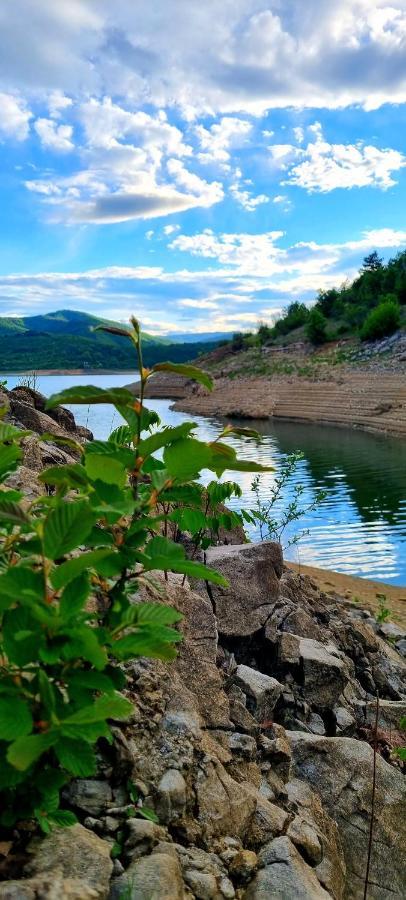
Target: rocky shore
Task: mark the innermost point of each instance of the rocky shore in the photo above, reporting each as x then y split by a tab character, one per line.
255	748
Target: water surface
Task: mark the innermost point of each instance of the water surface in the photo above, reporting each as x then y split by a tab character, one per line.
359	529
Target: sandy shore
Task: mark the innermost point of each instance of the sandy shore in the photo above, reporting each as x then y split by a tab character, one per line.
362	591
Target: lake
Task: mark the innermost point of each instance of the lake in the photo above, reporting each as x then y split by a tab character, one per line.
360	527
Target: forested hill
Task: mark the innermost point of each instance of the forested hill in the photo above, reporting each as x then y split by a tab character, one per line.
65	340
373	306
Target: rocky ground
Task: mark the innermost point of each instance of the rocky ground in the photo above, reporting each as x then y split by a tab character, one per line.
254	749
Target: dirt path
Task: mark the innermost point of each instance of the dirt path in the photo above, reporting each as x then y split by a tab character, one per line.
361	590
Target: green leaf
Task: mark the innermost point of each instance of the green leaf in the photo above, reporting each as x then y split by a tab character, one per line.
192	520
111	450
198	570
17	621
64	441
13	512
106	469
164	437
15	718
74	596
89	395
241	432
73	475
70	569
186	458
47	691
66	527
122	436
10	456
401	753
146	643
113	706
162	546
157	613
62	817
83	642
20	583
187	371
26	750
10	432
76	757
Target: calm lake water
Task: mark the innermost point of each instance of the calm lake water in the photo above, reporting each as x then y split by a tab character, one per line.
359	529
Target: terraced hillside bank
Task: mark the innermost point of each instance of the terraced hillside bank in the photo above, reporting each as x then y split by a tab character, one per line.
374	401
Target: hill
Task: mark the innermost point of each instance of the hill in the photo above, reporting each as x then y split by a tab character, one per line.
372	307
65	340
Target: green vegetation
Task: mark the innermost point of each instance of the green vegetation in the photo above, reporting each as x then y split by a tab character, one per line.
381	321
372	307
67	340
71	563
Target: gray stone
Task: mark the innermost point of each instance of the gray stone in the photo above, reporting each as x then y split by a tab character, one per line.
143	835
243	745
340	771
401	647
90	795
261	690
285	875
393	631
315	724
47	886
324	672
225	807
203	885
79	853
268	821
156	877
171	799
253	571
344	720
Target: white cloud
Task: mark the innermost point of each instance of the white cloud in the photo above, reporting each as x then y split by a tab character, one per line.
244	197
56	137
197	304
220	57
217	141
14	117
170	229
57	103
323	167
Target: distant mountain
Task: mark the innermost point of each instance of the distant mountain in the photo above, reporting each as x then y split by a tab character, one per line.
65	340
199	336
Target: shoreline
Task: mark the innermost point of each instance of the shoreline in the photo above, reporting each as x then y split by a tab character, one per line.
361	592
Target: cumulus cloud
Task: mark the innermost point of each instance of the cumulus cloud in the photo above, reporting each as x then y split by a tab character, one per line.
323	167
56	137
243	196
223	56
217	141
14	117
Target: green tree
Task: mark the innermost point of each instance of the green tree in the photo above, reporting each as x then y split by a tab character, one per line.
372	262
382	321
316	327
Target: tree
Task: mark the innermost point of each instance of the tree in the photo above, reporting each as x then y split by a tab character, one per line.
382	321
316	327
372	262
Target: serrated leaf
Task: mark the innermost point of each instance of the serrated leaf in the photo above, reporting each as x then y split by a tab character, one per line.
90	395
187	371
83	642
105	469
66	527
10	456
164	437
67	571
76	757
62	817
186	458
15	718
13	512
74	597
157	613
110	450
20	583
145	643
23	752
113	706
73	475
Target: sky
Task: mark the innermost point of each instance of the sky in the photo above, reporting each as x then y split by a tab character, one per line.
198	165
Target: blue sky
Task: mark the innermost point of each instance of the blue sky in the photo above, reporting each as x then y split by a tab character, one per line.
198	165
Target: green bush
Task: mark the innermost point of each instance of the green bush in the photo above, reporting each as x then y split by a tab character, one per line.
316	327
381	321
70	565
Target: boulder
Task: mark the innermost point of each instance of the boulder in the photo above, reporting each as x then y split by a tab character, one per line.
285	875
155	877
78	853
48	886
224	807
261	690
340	771
89	795
324	668
316	836
172	795
253	571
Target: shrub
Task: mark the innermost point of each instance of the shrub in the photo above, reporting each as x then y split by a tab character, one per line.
316	327
70	565
381	321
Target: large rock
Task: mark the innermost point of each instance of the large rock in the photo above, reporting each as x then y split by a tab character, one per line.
262	691
323	667
340	771
285	875
224	807
253	571
316	836
78	853
49	885
156	877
